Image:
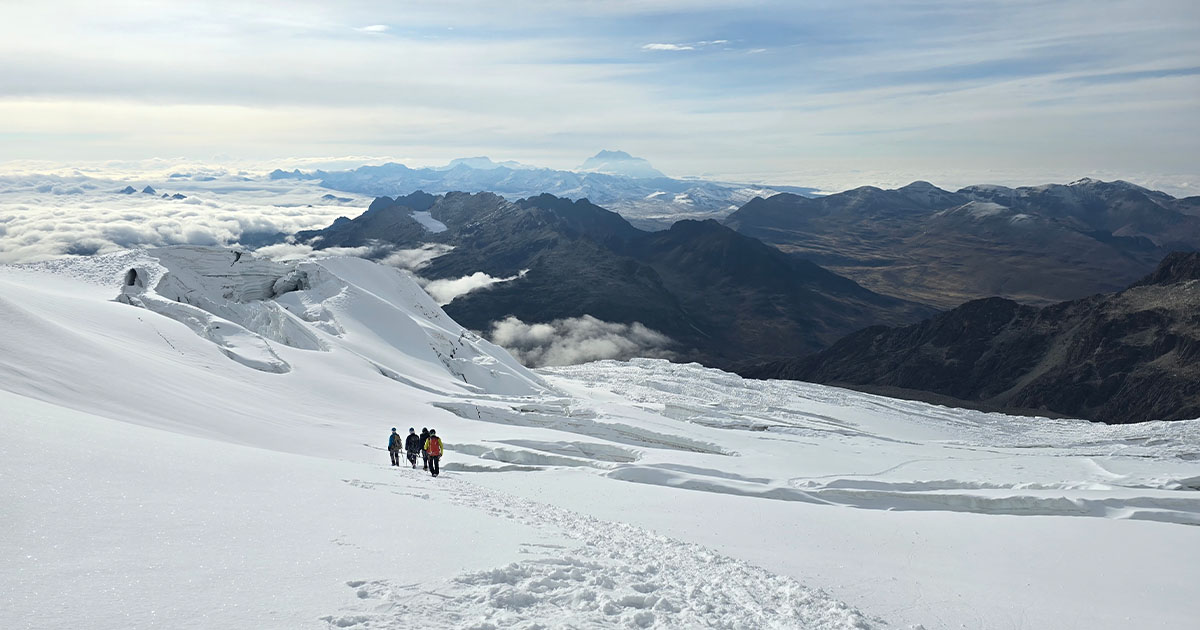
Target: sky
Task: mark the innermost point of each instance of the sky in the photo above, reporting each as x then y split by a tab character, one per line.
875	91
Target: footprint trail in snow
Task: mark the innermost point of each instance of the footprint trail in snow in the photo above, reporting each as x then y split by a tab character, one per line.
618	575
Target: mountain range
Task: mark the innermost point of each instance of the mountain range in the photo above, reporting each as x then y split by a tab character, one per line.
850	263
1034	244
1125	357
720	296
616	180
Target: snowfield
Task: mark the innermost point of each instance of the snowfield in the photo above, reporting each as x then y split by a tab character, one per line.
196	439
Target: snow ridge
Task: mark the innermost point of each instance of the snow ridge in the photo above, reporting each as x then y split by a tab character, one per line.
244	304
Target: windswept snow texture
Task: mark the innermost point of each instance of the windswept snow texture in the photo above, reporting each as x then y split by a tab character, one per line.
195	438
1016	465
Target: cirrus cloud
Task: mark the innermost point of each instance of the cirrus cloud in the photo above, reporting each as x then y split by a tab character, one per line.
667	47
685	46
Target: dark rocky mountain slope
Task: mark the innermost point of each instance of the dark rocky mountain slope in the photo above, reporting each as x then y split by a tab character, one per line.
1036	244
722	297
1126	357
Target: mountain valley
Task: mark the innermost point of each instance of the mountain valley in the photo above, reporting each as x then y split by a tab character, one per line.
1033	244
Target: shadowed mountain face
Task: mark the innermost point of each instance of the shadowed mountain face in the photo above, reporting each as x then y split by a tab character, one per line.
1127	357
1038	245
722	297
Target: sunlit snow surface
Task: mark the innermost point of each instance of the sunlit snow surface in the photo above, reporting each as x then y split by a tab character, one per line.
200	444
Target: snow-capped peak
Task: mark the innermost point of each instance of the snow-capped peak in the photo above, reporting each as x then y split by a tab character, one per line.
482	163
620	163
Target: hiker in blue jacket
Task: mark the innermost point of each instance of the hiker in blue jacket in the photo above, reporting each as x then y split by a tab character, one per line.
394	445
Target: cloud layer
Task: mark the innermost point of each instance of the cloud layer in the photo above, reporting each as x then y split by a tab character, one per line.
50	210
577	340
46	216
294	251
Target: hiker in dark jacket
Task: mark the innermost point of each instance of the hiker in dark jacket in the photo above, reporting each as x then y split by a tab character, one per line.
394	444
412	446
424	455
433	447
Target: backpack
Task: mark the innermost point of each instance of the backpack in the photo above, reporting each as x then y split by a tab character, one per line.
435	446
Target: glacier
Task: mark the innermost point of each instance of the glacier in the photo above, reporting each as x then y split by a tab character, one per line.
195	437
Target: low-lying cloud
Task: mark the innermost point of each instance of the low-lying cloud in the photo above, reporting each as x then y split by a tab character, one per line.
384	253
414	259
444	291
45	216
577	340
298	251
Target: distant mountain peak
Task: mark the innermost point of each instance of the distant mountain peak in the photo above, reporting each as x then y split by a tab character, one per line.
920	184
605	154
1116	183
293	174
926	194
482	163
620	163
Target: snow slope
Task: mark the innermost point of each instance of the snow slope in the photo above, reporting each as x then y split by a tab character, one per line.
194	439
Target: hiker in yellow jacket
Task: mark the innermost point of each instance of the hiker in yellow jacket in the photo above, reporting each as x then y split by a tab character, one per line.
433	450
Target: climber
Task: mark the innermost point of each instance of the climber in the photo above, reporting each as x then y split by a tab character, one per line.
394	444
433	446
412	446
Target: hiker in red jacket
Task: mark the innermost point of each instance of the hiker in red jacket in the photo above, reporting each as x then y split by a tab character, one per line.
433	450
